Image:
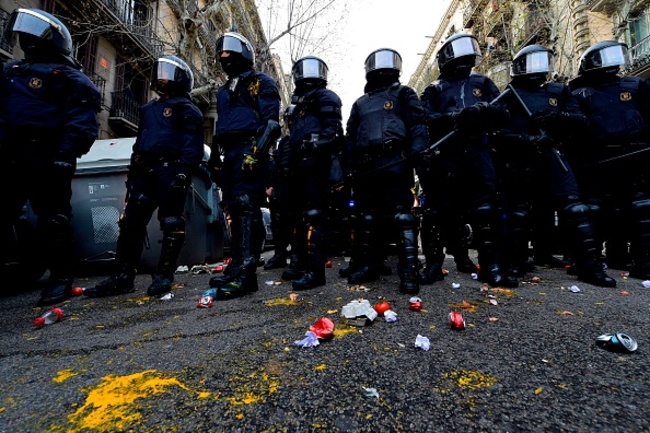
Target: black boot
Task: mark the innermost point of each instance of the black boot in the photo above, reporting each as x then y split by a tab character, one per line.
432	248
316	247
277	261
243	284
494	276
464	264
118	284
225	277
584	247
58	239
172	242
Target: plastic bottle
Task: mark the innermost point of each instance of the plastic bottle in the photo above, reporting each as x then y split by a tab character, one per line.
206	298
52	315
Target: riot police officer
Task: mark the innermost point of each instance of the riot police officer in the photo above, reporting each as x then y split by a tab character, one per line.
248	105
612	160
167	150
459	177
51	122
542	116
316	134
386	126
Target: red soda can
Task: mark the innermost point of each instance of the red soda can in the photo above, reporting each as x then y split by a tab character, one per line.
415	303
456	320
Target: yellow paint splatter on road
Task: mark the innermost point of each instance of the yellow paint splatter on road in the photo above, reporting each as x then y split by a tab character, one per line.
470	379
64	375
114	404
280	301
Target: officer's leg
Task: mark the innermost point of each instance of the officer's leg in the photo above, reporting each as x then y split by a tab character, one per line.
133	229
640	214
407	266
57	232
173	229
486	222
458	246
582	243
298	256
432	247
614	228
281	232
246	220
316	221
370	256
518	235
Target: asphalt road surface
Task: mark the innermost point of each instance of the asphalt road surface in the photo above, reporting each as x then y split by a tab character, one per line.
526	362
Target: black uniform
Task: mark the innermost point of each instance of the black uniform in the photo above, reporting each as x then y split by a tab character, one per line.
542	116
386	125
48	120
167	151
459	178
612	160
248	104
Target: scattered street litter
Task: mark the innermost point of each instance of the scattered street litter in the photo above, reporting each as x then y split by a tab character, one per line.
371	392
474	276
167	296
646	284
617	342
182	269
456	320
390	316
200	269
78	291
455	285
207	298
293	297
574	289
270	283
415	303
382	307
322	329
422	342
358	313
219	267
52	315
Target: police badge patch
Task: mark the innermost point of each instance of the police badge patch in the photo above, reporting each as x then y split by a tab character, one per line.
625	96
167	112
388	105
552	102
477	92
35	83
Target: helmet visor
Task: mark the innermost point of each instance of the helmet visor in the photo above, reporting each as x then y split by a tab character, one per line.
230	43
608	57
384	59
309	68
538	62
464	47
167	69
33	23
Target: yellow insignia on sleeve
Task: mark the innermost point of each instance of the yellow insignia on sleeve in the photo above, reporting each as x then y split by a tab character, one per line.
626	96
167	112
552	102
388	105
477	92
35	83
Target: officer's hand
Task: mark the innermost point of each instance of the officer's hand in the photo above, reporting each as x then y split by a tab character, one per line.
468	117
64	163
181	181
249	164
546	119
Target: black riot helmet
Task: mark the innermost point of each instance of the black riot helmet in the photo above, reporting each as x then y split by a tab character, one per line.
242	55
39	34
458	54
533	62
177	73
309	70
603	57
383	66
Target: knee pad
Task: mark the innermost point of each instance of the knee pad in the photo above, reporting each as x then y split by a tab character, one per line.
406	220
314	217
172	224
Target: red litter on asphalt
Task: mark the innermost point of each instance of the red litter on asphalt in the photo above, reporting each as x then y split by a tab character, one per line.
328	264
227	260
217	269
323	328
415	303
456	320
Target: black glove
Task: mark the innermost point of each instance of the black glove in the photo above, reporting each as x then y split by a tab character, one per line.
540	141
181	181
469	117
546	120
64	163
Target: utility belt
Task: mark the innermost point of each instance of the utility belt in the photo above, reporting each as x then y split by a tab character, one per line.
235	137
148	162
374	151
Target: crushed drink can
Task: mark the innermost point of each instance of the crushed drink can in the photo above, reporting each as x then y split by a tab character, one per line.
415	303
207	298
456	320
617	342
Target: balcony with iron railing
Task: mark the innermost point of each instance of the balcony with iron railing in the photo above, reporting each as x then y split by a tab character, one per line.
471	12
100	83
639	57
607	7
127	22
5	44
124	113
